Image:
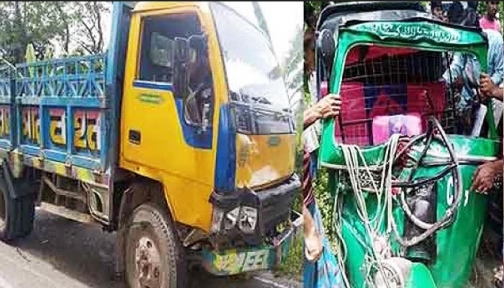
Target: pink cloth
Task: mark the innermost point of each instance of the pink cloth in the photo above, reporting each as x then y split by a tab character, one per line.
422	101
487	24
385	126
353	109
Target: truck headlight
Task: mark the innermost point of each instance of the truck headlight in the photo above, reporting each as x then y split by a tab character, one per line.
231	218
242	118
217	216
243	217
248	219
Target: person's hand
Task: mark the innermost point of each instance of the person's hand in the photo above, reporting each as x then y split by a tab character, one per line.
484	176
327	107
312	240
458	83
487	87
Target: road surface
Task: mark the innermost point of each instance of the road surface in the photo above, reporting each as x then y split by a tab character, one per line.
64	253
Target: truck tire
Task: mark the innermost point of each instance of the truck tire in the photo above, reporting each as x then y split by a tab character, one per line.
16	215
154	256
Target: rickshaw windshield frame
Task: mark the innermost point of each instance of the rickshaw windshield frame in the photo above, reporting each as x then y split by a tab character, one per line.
423	34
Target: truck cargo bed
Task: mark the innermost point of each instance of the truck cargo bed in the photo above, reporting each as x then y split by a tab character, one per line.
62	115
61	111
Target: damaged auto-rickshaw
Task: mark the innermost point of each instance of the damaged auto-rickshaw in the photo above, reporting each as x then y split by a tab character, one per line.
400	156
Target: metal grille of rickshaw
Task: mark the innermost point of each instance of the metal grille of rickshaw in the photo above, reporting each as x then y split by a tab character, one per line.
389	90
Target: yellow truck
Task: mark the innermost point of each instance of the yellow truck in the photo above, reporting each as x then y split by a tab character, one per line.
179	137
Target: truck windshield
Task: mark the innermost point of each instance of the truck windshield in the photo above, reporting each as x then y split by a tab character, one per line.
253	73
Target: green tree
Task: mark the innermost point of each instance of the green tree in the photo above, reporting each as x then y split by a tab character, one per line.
292	69
260	19
312	10
77	24
22	23
87	17
291	65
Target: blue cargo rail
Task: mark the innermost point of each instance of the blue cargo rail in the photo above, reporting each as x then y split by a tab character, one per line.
6	92
60	110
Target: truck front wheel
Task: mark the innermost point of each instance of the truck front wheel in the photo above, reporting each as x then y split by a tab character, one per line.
16	214
154	256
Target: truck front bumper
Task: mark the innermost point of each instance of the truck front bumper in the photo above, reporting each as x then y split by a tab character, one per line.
251	217
262	257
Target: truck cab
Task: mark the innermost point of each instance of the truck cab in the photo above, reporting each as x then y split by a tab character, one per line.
219	124
180	138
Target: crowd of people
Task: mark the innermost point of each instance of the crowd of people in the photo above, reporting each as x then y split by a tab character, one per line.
456	13
487	177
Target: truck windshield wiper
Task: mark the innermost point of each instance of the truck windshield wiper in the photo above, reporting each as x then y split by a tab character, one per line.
261	99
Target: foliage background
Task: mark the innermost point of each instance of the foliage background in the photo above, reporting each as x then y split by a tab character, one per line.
75	27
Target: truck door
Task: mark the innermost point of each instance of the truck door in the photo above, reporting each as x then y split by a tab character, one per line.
167	128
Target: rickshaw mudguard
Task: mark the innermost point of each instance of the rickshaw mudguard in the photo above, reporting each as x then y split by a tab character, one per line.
457	244
420	276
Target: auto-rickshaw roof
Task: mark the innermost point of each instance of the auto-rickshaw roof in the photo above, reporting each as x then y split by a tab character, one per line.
346	13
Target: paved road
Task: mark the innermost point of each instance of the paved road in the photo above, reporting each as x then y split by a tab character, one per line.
64	253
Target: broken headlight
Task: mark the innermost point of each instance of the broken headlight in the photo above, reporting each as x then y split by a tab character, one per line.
244	218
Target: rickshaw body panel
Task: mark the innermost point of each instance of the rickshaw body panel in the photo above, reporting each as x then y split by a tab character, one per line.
457	245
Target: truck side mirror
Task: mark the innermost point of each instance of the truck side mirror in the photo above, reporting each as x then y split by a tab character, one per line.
326	47
181	49
198	43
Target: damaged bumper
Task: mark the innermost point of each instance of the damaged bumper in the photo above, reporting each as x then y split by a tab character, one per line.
249	217
263	257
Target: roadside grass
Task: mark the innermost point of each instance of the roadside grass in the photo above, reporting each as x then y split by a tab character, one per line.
292	266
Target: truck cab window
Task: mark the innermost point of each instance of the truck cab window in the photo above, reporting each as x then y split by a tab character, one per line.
160	61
